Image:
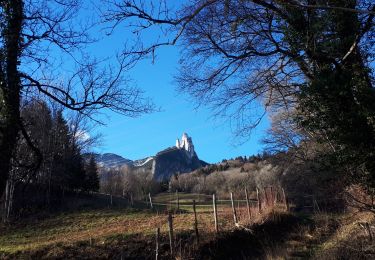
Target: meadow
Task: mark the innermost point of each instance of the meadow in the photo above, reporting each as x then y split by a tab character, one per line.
128	232
52	234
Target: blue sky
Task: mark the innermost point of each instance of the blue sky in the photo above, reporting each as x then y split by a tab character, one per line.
136	138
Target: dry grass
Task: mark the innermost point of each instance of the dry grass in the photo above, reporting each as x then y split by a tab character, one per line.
108	233
74	227
350	239
99	225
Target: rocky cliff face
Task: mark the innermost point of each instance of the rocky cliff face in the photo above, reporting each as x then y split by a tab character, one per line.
174	160
186	144
179	159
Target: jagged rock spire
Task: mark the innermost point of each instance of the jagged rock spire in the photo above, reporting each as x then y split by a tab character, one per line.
186	143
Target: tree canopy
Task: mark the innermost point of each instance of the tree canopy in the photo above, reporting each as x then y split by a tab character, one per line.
310	60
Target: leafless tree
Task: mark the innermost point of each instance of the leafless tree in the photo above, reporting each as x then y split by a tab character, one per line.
236	54
128	181
39	41
82	128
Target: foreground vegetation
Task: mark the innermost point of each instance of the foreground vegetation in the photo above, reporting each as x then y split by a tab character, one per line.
117	231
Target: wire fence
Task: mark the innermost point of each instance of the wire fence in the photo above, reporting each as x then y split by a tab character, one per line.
206	215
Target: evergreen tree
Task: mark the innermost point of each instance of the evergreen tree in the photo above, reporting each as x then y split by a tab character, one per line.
92	177
60	153
75	175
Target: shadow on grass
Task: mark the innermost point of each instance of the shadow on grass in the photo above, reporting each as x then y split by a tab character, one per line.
265	241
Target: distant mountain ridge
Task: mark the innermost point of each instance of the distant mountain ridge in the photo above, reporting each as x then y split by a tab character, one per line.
109	160
181	158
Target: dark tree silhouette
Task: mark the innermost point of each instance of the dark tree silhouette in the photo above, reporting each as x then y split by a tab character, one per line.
92	178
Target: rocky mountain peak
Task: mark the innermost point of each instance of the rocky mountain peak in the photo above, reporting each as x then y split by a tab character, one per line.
186	143
178	159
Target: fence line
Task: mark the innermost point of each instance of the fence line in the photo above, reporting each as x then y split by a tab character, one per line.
242	212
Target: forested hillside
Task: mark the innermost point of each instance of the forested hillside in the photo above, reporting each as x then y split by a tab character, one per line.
59	166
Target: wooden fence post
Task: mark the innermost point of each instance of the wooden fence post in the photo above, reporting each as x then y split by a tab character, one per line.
259	202
111	200
195	222
149	196
131	199
285	200
171	238
215	213
248	204
233	209
157	243
177	201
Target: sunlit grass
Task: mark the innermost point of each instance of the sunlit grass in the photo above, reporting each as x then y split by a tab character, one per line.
101	226
73	227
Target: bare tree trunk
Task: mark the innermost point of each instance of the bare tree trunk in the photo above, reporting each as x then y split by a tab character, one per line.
5	156
8	200
8	139
10	86
11	198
